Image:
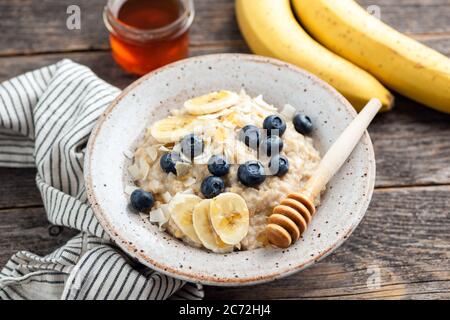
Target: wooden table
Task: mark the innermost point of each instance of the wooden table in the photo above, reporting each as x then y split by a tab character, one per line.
405	235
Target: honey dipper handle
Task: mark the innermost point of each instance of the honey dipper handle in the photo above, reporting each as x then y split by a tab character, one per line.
341	149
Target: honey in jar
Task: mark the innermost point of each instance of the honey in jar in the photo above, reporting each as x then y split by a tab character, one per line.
147	34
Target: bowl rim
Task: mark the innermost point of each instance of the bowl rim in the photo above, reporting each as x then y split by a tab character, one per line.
120	240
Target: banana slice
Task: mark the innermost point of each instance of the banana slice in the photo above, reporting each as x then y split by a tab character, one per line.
181	208
212	102
229	217
205	231
172	129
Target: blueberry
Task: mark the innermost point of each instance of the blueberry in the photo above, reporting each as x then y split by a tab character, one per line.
218	166
142	200
251	173
191	146
250	135
271	145
168	161
212	187
303	124
274	125
279	165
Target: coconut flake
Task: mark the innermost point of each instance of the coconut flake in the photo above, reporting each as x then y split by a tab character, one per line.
171	176
176	148
157	215
165	209
152	153
128	154
189	182
166	196
164	149
188	191
130	189
229	154
288	112
160	217
140	169
144	168
134	171
259	100
182	168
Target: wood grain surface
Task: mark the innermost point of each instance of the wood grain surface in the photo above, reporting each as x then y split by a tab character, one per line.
405	236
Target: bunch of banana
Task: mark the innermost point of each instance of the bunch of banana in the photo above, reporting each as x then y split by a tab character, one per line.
270	29
218	224
347	31
398	61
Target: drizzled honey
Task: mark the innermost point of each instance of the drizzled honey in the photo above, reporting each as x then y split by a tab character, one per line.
147	34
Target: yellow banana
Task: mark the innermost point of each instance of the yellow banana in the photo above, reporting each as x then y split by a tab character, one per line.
270	29
401	63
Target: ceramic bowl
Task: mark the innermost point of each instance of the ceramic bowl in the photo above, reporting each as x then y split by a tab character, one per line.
150	98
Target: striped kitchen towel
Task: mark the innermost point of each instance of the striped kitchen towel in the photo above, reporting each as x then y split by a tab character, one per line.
46	117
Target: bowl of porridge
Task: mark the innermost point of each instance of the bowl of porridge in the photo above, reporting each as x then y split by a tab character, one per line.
186	165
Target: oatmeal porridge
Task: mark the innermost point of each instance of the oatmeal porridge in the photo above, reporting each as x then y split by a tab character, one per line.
211	173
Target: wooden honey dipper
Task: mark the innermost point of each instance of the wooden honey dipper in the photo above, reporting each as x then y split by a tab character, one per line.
292	216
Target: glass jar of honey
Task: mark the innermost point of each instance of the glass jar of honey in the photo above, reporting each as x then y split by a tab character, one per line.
147	34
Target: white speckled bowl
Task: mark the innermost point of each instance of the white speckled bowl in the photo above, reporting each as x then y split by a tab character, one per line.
150	98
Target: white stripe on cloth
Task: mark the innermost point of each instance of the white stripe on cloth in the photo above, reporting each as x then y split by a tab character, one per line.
46	117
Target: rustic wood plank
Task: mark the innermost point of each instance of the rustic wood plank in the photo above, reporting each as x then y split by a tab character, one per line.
414	16
404	238
29	26
423	280
28	229
101	62
36	27
18	188
412	145
33	27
